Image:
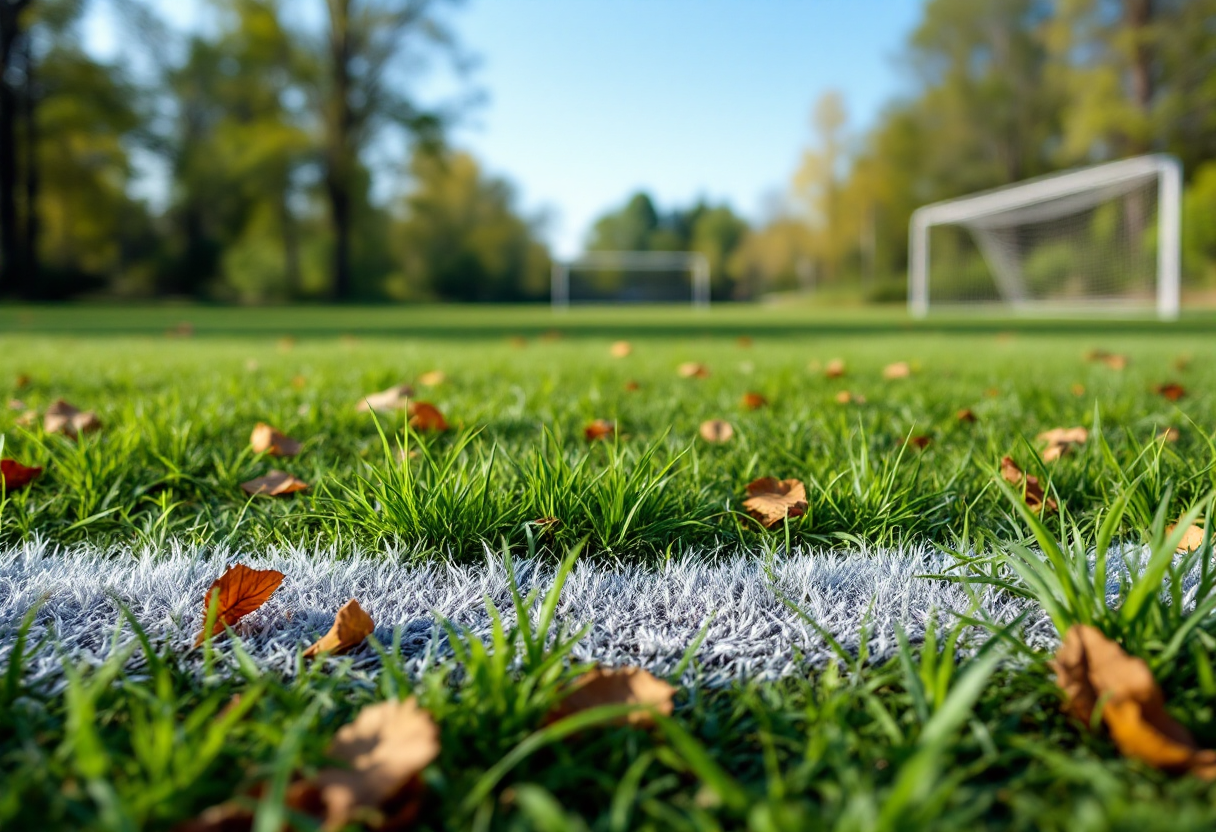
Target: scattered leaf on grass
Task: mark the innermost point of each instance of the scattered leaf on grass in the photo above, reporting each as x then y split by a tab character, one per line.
717	431
425	416
919	442
632	386
1078	390
1092	670
274	484
621	349
394	398
619	686
1031	489
691	369
834	368
1170	435
754	401
1191	540
236	593
1172	390
846	397
14	475
351	626
546	524
598	430
434	378
966	415
1061	440
62	418
771	500
22	381
899	369
269	440
16	405
1113	360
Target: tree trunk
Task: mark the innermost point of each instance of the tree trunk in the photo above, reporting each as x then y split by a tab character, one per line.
11	265
339	161
32	179
291	248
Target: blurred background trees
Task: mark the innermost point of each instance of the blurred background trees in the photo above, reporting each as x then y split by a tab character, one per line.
274	140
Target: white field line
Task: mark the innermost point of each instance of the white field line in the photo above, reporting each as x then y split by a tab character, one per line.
641	615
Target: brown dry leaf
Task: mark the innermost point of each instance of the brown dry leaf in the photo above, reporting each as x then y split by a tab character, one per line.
394	398
598	430
691	369
919	442
62	418
382	752
771	500
1191	540
238	592
433	379
14	475
845	397
22	381
899	369
1078	390
966	415
1115	361
425	416
621	349
1172	390
754	401
632	386
1031	489
226	817
546	524
269	440
1092	669
1170	435
351	626
620	686
1061	440
717	431
275	484
834	368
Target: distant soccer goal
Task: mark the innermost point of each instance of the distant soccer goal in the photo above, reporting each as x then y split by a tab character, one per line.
1106	236
632	277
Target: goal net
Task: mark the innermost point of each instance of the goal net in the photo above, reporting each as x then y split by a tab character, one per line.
632	277
1102	236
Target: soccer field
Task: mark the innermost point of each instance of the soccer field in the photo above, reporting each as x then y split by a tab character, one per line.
818	679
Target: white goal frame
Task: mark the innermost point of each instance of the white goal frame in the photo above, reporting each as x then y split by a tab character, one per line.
1166	169
695	263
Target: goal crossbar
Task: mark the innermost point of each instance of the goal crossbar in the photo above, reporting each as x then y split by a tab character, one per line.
979	209
636	261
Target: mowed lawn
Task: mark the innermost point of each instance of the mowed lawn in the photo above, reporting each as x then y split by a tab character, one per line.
935	738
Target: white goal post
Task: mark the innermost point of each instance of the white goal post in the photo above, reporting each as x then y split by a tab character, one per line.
1088	234
691	262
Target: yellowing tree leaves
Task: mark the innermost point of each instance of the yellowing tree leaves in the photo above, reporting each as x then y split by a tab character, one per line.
1032	491
394	398
1092	670
771	500
62	418
754	401
599	430
621	349
274	484
620	686
900	369
692	369
351	626
717	431
14	475
1192	539
1061	440
425	416
236	593
270	440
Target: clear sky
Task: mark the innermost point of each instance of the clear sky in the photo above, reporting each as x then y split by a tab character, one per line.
590	100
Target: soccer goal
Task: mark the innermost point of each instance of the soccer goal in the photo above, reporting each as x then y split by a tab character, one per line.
1106	236
632	277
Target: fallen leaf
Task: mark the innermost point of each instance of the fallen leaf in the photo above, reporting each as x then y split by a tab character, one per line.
631	386
992	392
754	401
717	431
22	381
274	484
1170	435
619	686
351	626
1061	440
1173	391
1192	539
237	592
1111	359
834	368
621	349
547	524
434	378
62	418
382	752
919	442
845	397
1092	669
1031	489
598	430
226	817
269	440
771	500
14	475
965	415
899	369
1078	390
425	416
16	405
394	398
691	369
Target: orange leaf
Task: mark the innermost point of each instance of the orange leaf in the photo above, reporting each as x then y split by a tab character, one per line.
1173	391
274	484
62	418
621	349
771	500
754	401
238	592
845	397
1192	539
1078	390
717	431
620	686
1092	670
14	475
966	415
834	368
351	626
425	416
1031	490
691	369
394	398
432	379
899	369
598	430
267	439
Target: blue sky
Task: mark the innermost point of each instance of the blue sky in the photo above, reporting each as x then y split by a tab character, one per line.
590	100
